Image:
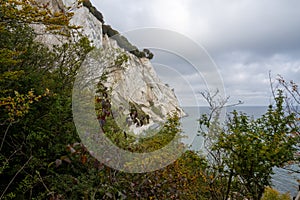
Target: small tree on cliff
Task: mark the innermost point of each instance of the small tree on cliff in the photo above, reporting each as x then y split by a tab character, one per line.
245	150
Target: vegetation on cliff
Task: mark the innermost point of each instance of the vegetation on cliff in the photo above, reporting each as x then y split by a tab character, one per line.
42	156
114	34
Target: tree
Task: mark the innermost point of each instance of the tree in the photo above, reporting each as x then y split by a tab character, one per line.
291	93
148	54
246	149
35	100
41	155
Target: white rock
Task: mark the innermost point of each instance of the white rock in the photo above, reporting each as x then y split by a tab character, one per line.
90	25
137	82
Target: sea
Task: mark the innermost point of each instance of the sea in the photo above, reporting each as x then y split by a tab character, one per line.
283	180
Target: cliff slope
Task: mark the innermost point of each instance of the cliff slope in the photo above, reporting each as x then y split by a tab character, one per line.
136	83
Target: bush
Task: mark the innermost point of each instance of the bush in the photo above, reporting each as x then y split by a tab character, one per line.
272	194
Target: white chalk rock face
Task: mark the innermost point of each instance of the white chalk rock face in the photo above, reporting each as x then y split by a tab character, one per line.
137	82
134	82
89	25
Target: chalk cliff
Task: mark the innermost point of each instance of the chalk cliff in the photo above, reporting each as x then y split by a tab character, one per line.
137	81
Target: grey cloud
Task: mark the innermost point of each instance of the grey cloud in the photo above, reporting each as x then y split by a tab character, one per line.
262	26
246	39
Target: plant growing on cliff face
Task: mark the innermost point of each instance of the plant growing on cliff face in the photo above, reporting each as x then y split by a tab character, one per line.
246	150
36	84
125	44
148	54
25	12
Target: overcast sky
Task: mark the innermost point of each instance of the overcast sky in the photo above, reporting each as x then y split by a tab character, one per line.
245	38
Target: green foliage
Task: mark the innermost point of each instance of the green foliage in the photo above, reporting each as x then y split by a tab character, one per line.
40	152
125	44
121	59
291	95
148	54
41	155
248	149
108	30
170	131
35	102
183	179
30	12
272	194
176	181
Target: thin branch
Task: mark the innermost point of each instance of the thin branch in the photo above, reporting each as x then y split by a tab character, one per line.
233	104
272	86
41	179
11	181
6	131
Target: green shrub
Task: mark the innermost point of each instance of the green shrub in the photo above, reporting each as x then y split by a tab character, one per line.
272	194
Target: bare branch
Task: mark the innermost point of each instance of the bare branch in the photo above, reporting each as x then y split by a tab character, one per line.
273	89
6	131
12	180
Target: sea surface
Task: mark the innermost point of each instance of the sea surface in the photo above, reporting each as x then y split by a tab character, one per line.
283	180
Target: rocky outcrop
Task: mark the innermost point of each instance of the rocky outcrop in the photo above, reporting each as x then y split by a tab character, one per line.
133	81
89	25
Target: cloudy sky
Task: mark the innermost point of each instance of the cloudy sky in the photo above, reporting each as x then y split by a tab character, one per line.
245	39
